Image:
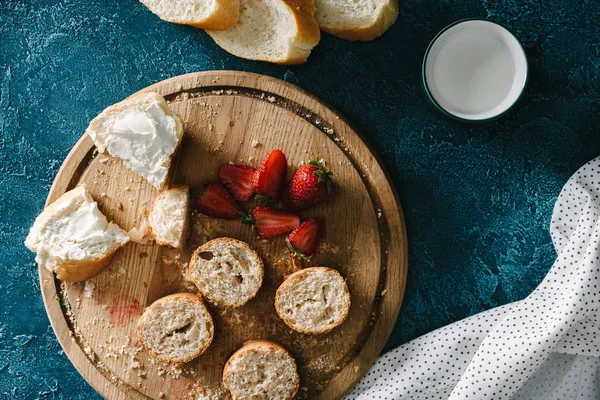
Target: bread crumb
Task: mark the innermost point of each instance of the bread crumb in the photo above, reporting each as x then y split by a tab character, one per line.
161	395
384	292
119	206
356	369
88	289
256	143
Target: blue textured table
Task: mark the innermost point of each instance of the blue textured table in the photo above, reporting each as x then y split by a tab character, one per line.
477	197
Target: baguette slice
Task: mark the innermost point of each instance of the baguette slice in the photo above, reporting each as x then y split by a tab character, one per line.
143	132
277	31
72	238
227	272
168	219
261	369
176	329
206	14
313	300
356	19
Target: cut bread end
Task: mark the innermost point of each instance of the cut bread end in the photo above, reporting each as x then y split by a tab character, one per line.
361	20
261	369
176	329
313	300
141	131
205	14
72	238
227	271
168	219
277	31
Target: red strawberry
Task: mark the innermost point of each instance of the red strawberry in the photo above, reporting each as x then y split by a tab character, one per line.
305	239
238	180
268	222
215	201
310	186
270	175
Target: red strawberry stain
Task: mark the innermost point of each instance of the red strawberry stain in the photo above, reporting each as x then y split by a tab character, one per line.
123	310
133	339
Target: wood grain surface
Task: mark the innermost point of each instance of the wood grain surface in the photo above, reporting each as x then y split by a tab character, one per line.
235	117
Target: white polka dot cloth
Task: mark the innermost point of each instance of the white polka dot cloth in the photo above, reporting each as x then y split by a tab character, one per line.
546	346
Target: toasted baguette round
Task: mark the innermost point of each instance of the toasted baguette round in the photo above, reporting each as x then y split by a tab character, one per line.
313	300
176	329
227	272
277	31
72	238
168	219
362	20
261	369
205	14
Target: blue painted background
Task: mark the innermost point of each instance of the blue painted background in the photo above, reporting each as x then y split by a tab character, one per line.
477	198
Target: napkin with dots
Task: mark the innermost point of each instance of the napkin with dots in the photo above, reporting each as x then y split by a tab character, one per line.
546	346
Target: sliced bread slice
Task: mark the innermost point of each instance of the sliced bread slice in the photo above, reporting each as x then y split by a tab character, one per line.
227	272
169	219
176	329
72	238
206	14
261	369
277	31
143	132
356	19
313	300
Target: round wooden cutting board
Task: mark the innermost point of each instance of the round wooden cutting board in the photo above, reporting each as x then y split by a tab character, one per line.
234	117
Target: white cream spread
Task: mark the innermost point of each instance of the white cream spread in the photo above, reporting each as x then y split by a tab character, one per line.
143	134
74	229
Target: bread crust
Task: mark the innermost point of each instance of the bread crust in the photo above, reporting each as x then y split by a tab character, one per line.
224	16
123	105
157	303
290	280
387	17
218	241
186	225
255	345
307	35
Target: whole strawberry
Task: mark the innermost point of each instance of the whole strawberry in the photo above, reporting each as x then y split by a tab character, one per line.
310	186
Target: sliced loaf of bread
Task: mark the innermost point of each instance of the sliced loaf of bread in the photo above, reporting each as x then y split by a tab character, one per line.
261	370
313	300
72	238
277	31
205	14
176	329
169	219
356	19
141	131
227	272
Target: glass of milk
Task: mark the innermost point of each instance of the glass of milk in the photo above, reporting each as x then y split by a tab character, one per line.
474	70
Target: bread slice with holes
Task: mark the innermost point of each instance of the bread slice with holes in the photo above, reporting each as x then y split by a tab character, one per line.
205	14
313	300
227	272
176	329
72	238
261	369
277	31
168	219
141	131
356	19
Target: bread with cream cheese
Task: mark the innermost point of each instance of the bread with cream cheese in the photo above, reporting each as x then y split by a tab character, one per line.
72	238
141	131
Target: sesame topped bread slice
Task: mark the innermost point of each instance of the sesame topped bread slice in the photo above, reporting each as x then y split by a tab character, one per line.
176	328
261	370
227	272
313	300
141	131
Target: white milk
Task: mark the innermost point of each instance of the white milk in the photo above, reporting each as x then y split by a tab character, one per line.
473	72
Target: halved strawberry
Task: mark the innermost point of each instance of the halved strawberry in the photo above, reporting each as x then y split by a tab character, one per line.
215	201
268	222
304	240
270	175
310	186
238	180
